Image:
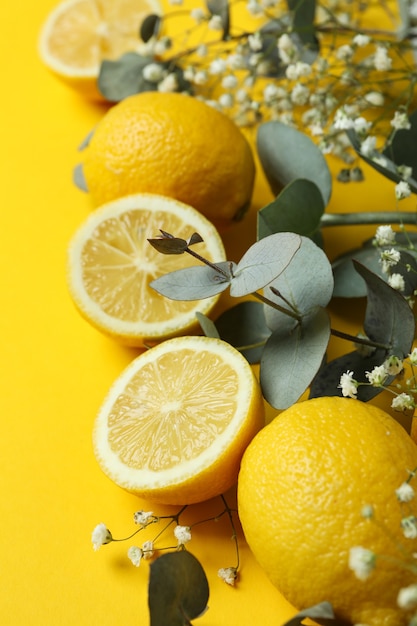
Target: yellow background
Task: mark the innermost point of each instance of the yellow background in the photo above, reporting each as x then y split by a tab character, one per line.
56	369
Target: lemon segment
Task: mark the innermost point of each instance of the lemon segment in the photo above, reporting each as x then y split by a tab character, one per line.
111	263
174	425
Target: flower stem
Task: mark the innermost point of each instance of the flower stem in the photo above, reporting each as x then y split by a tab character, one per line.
361	340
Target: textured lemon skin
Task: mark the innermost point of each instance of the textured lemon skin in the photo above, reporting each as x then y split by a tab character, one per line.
303	482
209	478
174	145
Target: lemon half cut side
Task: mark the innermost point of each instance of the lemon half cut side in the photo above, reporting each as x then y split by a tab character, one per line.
175	424
111	265
78	35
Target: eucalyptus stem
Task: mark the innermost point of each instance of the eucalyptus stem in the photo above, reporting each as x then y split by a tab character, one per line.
358	219
276	306
361	340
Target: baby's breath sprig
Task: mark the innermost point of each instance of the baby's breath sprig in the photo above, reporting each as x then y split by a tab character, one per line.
319	68
182	533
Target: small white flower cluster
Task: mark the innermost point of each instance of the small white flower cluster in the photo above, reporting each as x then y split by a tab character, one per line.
390	257
362	561
265	74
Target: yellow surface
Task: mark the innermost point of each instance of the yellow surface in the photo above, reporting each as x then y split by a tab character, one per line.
56	369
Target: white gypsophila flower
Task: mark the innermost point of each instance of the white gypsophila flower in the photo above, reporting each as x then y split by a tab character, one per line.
229	82
153	72
168	84
182	534
142	518
147	549
393	365
100	536
348	385
200	77
198	15
236	61
162	45
368	146
361	562
367	511
215	23
402	190
299	94
291	72
407	597
405	171
273	92
361	40
255	42
202	51
413	356
286	48
384	235
402	402
254	7
405	492
409	526
342	120
242	96
216	67
397	282
382	61
377	376
135	555
316	130
344	53
228	574
389	258
361	125
380	160
226	100
400	121
375	98
413	11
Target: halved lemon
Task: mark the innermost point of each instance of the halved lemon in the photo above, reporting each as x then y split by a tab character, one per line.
79	34
175	424
111	263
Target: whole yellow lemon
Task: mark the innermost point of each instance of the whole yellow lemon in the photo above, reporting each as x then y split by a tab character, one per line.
305	481
173	145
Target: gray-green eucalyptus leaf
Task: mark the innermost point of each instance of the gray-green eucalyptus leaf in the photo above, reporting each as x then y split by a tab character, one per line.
244	327
178	589
207	326
297	209
287	154
78	178
263	262
290	361
192	283
318	612
122	78
306	283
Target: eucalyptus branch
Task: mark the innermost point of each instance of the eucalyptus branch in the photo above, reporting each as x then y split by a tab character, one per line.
362	219
361	340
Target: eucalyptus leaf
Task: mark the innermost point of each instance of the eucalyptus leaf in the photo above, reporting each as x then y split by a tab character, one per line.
195	238
207	325
319	613
306	283
244	327
402	146
389	319
287	154
290	361
123	77
85	142
326	383
78	177
263	262
192	283
150	27
303	20
380	162
221	8
171	245
178	589
347	282
297	209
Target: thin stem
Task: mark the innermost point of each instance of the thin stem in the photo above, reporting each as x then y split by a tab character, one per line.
276	306
234	535
355	219
361	340
214	266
